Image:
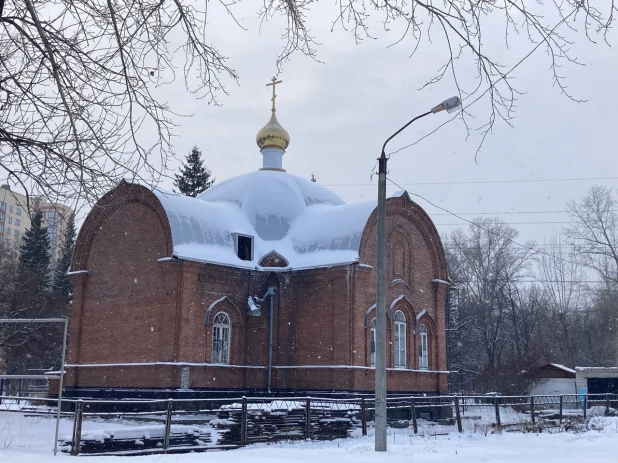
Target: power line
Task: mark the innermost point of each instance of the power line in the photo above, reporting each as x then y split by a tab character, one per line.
484	182
495	280
512	212
507	213
523	246
507	223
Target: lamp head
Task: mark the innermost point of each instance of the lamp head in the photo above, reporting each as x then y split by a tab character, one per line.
450	105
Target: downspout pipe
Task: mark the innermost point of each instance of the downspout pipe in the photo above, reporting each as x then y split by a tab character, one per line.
270	292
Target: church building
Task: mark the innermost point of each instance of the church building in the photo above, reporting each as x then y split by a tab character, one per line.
265	282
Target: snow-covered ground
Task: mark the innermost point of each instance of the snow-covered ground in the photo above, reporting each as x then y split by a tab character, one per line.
30	440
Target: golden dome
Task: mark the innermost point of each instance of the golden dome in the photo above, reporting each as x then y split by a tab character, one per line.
273	135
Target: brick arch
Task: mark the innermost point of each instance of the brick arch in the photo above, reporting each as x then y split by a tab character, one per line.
104	209
273	259
404	207
402	303
226	305
371	313
429	322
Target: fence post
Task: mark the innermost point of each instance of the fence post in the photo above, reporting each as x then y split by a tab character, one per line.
497	407
458	415
77	427
19	391
560	417
1	389
608	405
585	406
532	409
243	422
168	425
308	418
363	417
413	411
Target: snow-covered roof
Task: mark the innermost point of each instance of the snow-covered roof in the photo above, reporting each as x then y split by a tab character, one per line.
304	222
562	367
270	200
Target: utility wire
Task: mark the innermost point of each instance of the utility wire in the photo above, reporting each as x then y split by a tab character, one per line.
536	280
523	246
512	212
486	182
507	223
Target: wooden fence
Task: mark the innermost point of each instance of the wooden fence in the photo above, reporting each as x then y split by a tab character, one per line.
181	425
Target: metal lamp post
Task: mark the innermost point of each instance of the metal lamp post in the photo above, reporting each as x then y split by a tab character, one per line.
450	105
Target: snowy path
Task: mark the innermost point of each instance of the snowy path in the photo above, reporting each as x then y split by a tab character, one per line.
28	440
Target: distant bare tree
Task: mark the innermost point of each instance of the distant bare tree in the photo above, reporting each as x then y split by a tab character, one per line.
78	106
487	266
528	312
562	277
595	231
601	329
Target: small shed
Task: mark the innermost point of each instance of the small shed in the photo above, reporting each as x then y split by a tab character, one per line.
597	380
553	379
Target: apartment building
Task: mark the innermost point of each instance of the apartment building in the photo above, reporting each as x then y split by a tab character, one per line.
15	219
55	218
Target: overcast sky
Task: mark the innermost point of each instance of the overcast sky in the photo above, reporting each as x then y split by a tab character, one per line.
339	112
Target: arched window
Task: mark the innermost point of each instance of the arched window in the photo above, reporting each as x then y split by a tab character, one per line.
221	336
372	342
400	339
423	353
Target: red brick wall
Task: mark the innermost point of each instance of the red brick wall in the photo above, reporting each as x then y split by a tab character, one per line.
124	307
407	227
130	308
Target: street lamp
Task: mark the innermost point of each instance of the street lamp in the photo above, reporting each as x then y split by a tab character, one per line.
450	105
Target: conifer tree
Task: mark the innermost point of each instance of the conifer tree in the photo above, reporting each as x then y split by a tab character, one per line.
313	179
194	178
34	259
33	346
61	283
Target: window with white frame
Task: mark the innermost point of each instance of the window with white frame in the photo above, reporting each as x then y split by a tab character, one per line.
423	354
400	339
2	206
10	208
17	222
372	343
221	336
10	219
18	211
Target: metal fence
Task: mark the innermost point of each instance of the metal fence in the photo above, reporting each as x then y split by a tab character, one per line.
179	425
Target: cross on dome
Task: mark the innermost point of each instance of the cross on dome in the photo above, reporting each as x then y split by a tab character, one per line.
274	83
273	139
